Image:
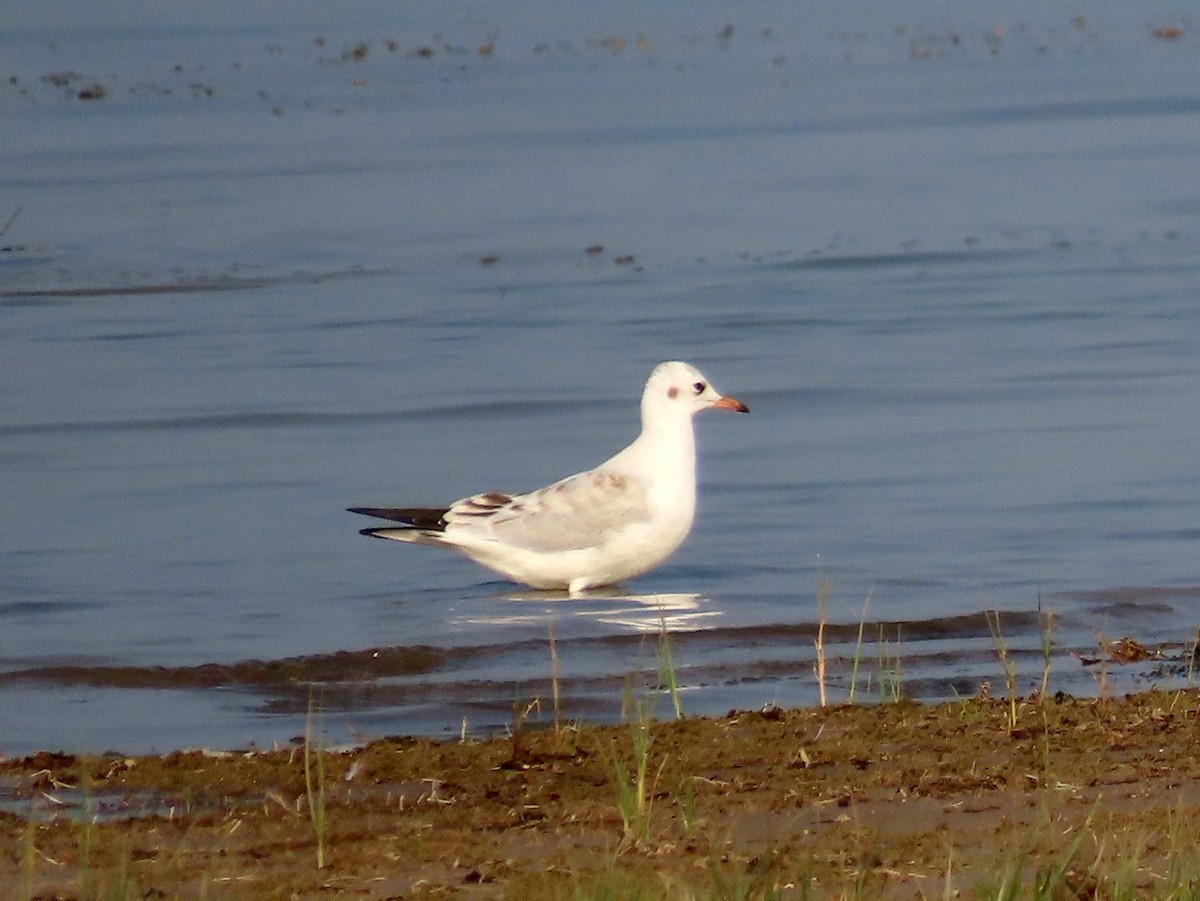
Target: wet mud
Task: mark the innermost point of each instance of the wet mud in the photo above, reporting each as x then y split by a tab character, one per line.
895	799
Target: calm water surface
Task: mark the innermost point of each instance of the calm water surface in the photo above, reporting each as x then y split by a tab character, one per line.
950	259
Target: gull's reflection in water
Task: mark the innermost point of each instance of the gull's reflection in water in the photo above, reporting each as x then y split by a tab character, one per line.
677	611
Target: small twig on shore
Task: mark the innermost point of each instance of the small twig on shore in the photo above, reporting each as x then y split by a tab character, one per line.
822	612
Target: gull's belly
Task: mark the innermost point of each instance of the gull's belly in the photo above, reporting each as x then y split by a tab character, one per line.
637	548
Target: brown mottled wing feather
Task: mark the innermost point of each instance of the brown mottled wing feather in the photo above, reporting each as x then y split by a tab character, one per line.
432	518
477	506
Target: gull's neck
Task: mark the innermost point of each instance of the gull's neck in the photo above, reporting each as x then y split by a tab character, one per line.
665	442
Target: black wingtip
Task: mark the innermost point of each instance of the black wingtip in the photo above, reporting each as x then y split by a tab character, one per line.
393	514
372	533
431	518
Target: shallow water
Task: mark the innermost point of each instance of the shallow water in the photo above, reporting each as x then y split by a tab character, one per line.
951	260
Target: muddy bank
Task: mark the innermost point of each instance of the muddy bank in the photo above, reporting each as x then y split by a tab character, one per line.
897	797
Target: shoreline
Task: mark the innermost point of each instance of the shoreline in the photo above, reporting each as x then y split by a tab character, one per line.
890	800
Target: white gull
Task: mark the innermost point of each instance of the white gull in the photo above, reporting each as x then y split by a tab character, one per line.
594	528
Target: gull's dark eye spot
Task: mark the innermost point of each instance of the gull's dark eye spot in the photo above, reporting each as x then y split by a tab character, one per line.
699	387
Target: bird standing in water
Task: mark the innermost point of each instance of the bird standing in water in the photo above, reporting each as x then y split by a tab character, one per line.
595	528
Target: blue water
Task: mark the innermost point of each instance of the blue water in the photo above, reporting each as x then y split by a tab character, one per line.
949	257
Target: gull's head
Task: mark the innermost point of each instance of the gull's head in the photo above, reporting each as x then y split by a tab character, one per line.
677	389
